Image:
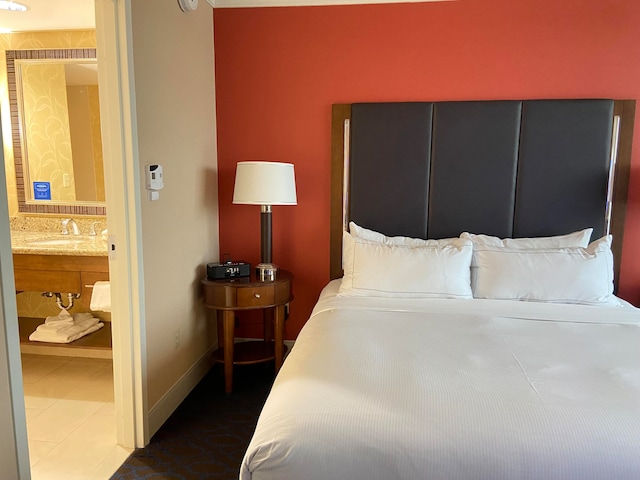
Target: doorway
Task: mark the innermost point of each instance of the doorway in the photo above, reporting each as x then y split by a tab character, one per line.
128	407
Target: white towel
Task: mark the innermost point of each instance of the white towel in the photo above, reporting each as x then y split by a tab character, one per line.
64	333
101	297
62	319
78	317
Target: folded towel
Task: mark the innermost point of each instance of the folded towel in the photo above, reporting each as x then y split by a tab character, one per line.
82	319
63	337
55	333
101	297
78	317
62	319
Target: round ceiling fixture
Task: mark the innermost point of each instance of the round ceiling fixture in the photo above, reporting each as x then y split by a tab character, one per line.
188	5
12	6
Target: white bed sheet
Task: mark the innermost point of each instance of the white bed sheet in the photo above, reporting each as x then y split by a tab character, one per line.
454	389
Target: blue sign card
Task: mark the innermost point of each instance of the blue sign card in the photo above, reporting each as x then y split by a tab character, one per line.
41	191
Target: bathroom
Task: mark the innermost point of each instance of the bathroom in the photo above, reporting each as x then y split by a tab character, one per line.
68	386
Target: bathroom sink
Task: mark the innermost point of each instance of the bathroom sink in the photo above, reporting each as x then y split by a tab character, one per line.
58	241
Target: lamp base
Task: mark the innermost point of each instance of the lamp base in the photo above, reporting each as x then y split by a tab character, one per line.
266	272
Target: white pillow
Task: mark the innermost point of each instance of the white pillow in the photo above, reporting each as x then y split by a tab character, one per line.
562	275
379	270
575	239
373	236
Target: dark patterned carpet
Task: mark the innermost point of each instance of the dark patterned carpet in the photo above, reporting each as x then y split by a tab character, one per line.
206	437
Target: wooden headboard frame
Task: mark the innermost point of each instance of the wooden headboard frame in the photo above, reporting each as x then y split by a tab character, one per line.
625	109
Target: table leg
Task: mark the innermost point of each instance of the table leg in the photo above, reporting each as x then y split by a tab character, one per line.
228	320
278	320
267	318
219	315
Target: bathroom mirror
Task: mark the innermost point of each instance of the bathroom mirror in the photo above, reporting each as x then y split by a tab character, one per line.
55	123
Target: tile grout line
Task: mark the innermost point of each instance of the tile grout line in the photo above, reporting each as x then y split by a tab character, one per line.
101	462
52	448
49	377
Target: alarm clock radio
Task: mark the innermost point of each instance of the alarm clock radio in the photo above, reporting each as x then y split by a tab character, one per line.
228	269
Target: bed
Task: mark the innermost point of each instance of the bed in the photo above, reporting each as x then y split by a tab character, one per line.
513	359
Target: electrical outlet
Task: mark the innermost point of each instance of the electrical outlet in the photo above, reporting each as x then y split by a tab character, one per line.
176	338
66	180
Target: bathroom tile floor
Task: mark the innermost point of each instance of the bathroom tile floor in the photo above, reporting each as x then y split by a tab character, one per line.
70	418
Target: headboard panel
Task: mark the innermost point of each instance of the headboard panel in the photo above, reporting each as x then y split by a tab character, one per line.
474	167
504	168
389	163
565	150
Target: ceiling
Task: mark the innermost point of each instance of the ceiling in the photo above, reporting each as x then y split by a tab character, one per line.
79	14
302	3
50	15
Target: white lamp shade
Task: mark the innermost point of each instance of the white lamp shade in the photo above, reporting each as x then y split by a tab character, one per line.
265	183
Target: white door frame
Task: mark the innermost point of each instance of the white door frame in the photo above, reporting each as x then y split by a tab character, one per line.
14	449
122	178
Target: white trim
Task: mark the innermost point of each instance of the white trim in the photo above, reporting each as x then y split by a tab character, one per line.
118	120
306	3
345	174
162	410
14	457
615	139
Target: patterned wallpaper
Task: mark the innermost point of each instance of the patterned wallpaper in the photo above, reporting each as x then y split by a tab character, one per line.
34	305
46	128
96	137
31	304
82	123
29	40
50	39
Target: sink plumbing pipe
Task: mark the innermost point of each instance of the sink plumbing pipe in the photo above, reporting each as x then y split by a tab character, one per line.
70	296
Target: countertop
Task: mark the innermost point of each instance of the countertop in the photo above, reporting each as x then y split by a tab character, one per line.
47	243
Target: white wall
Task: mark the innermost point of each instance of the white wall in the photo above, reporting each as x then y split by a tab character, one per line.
173	65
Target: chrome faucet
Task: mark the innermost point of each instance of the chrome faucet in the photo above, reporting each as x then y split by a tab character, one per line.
74	226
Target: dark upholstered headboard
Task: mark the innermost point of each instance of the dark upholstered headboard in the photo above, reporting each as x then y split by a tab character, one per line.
517	168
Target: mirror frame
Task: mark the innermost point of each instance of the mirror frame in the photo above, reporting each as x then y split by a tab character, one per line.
80	208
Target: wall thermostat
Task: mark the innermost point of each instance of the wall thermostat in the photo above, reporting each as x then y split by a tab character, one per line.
153	181
154	177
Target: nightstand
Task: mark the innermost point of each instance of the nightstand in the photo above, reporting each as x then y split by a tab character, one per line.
230	295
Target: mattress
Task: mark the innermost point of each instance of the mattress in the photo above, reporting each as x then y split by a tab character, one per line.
454	389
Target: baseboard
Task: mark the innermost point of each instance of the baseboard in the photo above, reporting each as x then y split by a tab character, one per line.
161	411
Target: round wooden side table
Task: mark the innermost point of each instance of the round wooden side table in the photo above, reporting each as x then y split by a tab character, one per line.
229	295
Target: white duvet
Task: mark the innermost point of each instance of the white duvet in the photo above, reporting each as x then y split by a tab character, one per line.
454	390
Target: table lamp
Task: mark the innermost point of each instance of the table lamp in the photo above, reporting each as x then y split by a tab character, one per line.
265	184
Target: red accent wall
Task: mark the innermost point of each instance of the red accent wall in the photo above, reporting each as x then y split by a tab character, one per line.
279	70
